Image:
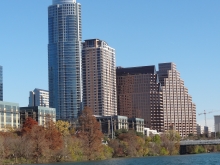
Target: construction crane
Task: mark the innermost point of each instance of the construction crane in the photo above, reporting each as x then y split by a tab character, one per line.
204	113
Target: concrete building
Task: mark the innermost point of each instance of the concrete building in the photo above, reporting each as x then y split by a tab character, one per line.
109	124
1	84
217	123
150	132
99	77
9	116
139	95
136	124
38	113
200	129
207	131
179	110
64	58
39	97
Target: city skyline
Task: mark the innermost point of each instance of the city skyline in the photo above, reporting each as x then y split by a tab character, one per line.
176	32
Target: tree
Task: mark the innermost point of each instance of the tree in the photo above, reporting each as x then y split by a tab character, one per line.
40	145
90	134
170	140
28	125
53	136
156	139
63	127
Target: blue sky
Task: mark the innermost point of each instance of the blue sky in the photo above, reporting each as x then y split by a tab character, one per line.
143	32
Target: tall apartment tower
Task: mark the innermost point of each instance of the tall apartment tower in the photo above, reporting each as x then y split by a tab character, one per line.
139	95
1	84
179	110
99	77
39	97
64	58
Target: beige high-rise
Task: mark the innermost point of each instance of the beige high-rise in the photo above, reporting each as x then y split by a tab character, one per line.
99	77
179	110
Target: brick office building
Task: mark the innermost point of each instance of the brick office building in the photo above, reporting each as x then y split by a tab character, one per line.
139	95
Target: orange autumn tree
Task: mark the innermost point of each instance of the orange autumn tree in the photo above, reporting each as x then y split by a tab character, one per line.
53	136
28	125
90	134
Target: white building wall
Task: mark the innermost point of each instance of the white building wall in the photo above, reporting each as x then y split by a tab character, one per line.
39	97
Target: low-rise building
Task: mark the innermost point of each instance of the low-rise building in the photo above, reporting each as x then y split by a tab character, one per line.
136	124
38	113
9	116
200	129
109	124
150	132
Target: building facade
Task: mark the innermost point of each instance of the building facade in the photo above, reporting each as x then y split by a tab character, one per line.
136	124
207	131
109	124
64	58
139	95
1	84
217	123
9	116
179	110
99	77
39	97
150	132
200	129
38	113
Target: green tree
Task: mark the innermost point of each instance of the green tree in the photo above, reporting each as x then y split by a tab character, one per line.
156	139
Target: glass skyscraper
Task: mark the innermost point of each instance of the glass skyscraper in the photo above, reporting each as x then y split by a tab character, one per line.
1	84
64	58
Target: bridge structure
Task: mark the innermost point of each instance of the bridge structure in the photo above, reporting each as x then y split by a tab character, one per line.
184	144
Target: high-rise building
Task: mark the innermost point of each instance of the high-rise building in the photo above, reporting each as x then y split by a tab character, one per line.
207	131
64	58
39	97
217	123
99	77
139	95
179	110
1	84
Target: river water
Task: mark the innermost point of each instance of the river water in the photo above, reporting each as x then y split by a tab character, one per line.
199	159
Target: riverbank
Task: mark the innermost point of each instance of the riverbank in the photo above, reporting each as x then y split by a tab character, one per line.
195	159
118	161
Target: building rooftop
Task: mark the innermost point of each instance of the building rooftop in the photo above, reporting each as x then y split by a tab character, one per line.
136	70
63	1
41	89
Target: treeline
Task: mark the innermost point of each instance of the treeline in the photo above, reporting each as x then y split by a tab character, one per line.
132	144
197	149
57	142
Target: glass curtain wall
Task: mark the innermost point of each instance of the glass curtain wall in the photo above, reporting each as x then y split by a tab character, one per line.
9	116
1	84
64	58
